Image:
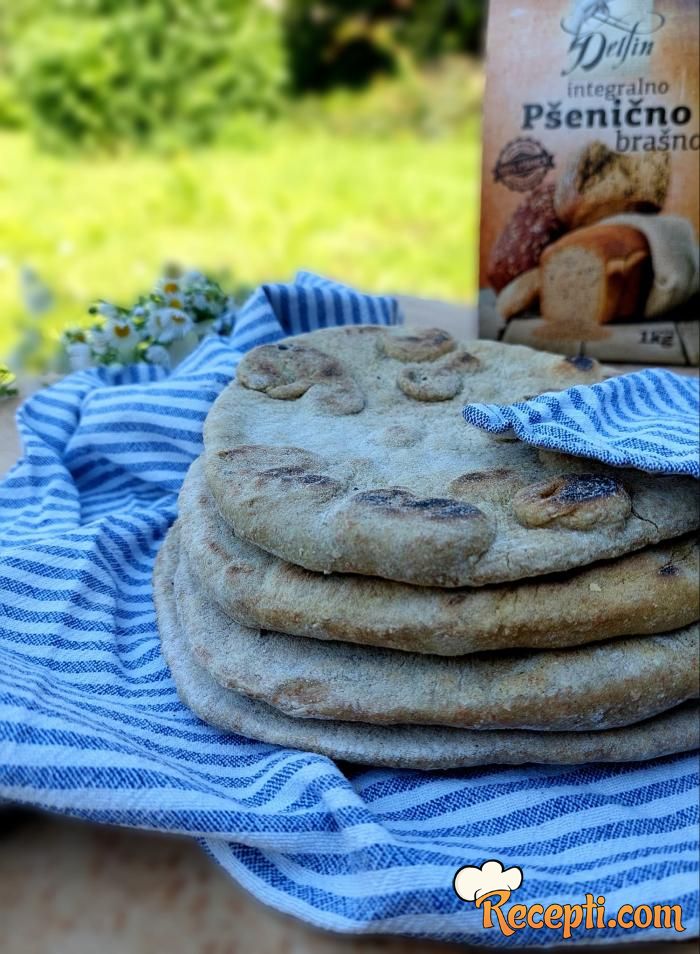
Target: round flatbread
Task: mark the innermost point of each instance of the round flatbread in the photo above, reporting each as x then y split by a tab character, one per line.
345	450
411	747
651	591
592	687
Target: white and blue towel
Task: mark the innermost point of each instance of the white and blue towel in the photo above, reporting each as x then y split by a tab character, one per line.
91	725
648	419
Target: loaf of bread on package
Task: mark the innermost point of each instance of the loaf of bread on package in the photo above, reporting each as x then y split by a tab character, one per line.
532	226
594	275
597	182
519	295
675	259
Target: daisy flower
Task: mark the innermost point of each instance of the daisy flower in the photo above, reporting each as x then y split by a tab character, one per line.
169	287
166	324
100	342
157	354
106	309
120	331
199	301
192	277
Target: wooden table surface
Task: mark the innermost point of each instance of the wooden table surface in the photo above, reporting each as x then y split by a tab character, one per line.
76	888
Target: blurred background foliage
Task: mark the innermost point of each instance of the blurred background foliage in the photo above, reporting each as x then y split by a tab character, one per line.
100	73
247	138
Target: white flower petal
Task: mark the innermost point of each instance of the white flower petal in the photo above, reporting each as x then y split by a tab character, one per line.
159	355
106	309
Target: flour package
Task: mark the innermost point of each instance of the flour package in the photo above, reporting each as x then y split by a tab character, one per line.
590	188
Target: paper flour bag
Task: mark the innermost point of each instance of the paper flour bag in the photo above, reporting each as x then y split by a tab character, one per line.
589	218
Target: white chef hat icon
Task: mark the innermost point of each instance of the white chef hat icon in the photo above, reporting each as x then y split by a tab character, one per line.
472	883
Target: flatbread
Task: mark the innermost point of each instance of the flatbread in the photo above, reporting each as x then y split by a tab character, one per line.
410	747
345	450
654	590
591	687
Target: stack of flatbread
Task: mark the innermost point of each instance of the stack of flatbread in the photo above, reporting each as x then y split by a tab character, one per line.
355	571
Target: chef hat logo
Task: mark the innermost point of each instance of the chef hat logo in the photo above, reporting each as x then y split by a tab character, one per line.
471	883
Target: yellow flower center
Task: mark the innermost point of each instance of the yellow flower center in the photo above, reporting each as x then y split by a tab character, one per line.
122	331
170	287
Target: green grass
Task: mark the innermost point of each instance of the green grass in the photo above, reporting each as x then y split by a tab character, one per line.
385	214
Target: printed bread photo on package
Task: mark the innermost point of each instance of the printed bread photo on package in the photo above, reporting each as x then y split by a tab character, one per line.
589	217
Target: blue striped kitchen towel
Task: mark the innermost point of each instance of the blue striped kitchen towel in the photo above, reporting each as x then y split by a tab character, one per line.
91	725
647	419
